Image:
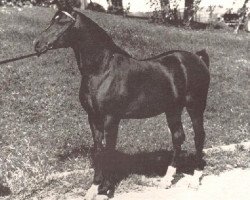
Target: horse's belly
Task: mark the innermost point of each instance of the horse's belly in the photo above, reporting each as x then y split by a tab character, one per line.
144	108
139	114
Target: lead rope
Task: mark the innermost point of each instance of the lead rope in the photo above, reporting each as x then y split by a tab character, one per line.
18	58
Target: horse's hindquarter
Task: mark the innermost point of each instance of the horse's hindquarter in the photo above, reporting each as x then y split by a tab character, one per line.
198	75
192	68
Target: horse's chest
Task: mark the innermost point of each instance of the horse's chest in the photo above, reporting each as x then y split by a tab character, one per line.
95	92
86	96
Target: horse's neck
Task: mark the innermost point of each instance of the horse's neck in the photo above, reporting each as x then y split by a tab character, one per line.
91	61
93	47
93	56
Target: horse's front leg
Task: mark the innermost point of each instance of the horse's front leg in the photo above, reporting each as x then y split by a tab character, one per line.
97	128
104	146
111	124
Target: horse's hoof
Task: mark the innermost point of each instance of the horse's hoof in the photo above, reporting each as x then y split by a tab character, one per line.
101	197
96	197
166	181
195	180
165	184
194	185
90	197
92	193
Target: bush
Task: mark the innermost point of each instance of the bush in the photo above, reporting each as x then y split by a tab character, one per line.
218	25
21	3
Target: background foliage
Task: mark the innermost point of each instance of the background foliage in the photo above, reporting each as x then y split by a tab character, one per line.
24	2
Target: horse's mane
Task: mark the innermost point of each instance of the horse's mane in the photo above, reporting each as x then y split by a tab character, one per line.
101	36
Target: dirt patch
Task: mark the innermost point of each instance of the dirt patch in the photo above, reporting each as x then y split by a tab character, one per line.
231	147
228	185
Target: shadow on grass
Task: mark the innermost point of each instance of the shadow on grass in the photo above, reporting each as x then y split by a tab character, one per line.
4	191
150	164
120	165
81	151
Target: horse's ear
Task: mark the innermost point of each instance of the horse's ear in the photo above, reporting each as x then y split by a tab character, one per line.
75	3
66	4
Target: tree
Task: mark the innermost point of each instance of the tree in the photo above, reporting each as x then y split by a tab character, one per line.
191	8
84	4
188	10
115	6
243	14
168	11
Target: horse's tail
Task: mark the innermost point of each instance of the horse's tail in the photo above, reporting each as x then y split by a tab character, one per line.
204	56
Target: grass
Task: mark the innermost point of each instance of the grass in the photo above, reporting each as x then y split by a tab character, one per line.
44	130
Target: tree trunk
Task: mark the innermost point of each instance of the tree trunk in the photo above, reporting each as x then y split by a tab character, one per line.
188	12
243	15
84	4
115	6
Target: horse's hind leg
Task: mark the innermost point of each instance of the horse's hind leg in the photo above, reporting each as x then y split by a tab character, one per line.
196	105
196	114
199	134
178	137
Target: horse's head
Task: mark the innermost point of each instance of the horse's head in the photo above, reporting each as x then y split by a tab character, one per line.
70	27
58	34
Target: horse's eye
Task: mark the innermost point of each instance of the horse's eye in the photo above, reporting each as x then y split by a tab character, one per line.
57	17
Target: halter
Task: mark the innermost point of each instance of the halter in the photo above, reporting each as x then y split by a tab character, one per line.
64	12
68	15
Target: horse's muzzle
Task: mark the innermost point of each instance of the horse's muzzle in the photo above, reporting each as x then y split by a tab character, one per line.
40	48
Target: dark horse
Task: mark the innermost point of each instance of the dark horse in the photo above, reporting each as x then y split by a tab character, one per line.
115	86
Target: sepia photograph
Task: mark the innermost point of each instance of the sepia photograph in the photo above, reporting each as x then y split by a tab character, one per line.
124	99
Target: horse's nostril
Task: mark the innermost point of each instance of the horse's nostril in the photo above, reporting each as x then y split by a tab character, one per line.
35	41
50	46
36	44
